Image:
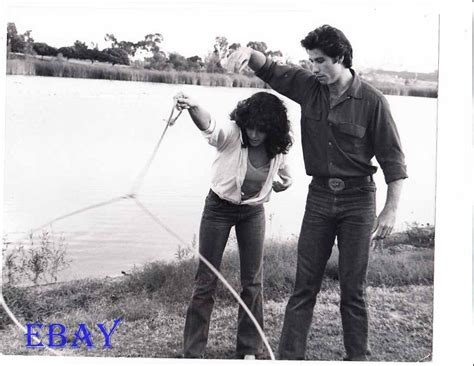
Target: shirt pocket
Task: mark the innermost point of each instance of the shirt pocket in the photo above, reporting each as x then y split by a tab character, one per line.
350	136
311	121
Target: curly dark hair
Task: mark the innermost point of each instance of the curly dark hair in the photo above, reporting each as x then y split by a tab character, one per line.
331	41
267	113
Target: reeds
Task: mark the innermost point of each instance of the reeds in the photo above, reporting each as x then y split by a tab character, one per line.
388	88
61	68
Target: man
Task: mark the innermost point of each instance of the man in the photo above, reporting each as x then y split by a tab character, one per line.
345	122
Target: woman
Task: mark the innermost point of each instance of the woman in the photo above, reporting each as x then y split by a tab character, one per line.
250	153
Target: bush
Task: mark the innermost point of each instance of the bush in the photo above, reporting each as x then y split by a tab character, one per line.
19	302
39	261
405	266
161	279
420	235
401	268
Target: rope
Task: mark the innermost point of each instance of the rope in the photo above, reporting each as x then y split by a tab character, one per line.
425	358
215	271
144	171
87	208
19	325
132	195
2	299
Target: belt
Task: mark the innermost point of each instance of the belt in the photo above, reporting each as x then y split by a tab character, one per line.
338	184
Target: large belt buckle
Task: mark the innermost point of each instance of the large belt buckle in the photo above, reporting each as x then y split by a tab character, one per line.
336	184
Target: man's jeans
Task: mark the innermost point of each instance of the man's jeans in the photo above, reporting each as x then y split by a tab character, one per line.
348	215
217	219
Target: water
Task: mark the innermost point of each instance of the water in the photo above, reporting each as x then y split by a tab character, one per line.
70	143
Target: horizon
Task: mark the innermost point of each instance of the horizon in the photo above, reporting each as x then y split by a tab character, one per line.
397	48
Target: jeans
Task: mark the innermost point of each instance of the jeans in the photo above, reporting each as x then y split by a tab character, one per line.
348	215
217	219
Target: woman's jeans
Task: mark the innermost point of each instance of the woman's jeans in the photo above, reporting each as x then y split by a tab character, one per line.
348	215
217	219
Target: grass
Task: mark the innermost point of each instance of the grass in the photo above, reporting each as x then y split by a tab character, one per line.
152	303
400	322
61	68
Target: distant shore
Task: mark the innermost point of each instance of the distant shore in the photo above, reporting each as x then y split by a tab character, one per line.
56	67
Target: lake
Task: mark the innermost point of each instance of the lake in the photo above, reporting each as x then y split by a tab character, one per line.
70	143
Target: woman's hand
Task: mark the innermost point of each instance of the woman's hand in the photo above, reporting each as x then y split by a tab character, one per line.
200	117
184	101
281	186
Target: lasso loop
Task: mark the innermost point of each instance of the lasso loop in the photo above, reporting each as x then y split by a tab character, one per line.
133	196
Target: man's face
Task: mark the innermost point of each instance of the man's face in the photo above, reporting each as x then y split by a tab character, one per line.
326	70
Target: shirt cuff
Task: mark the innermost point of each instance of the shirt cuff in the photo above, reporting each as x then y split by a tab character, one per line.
263	71
211	128
394	173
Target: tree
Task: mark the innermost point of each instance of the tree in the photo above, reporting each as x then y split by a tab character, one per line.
234	46
262	47
151	45
81	51
68	52
15	43
212	61
275	54
156	61
221	47
129	47
93	52
28	49
178	62
111	38
44	49
258	46
195	63
21	43
116	56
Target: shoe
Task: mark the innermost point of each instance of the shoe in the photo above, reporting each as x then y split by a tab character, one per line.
249	357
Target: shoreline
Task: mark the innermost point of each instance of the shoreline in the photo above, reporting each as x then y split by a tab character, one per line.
32	66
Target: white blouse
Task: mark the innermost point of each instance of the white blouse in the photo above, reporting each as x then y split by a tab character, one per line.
230	165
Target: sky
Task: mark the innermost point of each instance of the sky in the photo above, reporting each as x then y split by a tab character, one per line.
383	36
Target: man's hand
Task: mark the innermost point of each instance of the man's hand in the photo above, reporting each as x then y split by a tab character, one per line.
386	220
384	224
237	60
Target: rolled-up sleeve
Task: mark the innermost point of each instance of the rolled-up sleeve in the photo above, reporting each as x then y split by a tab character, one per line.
387	143
292	81
218	134
284	170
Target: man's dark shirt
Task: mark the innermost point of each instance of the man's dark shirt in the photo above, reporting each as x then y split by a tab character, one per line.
340	141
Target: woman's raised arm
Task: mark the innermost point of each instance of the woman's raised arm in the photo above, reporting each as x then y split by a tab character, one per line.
200	116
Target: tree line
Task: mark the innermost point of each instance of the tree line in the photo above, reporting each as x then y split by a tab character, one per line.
124	52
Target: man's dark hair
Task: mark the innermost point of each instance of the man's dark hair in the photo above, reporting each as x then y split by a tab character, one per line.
267	113
331	41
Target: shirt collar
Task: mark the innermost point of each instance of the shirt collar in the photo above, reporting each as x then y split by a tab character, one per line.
355	90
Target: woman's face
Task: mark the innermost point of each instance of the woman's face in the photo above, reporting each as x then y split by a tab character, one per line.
256	137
